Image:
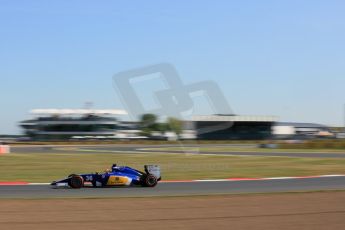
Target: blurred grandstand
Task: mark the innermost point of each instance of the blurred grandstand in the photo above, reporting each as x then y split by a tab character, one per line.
50	124
86	124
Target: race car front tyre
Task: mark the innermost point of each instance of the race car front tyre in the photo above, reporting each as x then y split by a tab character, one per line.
150	181
76	181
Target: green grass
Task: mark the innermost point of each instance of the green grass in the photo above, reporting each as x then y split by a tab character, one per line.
47	167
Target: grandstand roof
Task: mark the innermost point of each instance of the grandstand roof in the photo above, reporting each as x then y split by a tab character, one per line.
237	118
78	111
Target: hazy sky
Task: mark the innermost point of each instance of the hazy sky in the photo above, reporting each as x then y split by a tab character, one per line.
284	58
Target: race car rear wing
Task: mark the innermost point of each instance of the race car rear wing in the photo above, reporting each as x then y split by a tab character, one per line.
153	170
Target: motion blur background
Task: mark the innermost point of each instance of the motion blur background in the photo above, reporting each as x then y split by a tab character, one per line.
269	58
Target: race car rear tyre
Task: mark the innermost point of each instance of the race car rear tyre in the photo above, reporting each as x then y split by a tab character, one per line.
76	181
150	181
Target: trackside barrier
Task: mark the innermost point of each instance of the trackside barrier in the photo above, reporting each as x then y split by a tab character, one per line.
5	149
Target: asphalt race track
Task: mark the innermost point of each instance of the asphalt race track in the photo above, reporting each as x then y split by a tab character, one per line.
150	149
178	188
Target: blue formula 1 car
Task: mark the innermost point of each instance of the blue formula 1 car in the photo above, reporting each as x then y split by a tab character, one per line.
117	176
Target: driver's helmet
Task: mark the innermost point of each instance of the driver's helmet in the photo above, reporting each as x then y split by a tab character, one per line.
114	167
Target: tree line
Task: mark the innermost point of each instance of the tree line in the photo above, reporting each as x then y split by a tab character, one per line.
149	124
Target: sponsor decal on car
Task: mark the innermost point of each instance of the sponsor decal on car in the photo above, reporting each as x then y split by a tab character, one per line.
117	180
